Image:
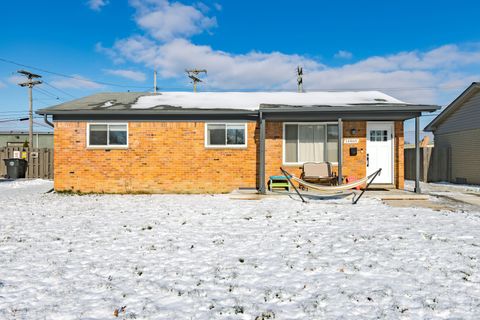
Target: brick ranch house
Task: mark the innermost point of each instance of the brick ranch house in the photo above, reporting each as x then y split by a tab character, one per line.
214	142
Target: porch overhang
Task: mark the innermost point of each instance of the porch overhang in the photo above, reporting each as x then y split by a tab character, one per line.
367	112
371	112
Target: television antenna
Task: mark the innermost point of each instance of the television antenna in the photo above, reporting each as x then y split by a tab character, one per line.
193	74
300	79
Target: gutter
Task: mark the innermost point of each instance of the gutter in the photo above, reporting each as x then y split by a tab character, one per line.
147	112
269	108
47	121
265	108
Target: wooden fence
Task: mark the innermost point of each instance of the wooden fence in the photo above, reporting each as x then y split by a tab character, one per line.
409	163
40	161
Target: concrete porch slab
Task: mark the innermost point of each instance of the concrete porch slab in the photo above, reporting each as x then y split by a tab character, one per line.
395	194
437	206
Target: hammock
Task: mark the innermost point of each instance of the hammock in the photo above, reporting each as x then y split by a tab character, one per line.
341	187
331	189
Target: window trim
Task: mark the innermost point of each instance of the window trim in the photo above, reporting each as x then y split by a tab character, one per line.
284	162
226	146
107	146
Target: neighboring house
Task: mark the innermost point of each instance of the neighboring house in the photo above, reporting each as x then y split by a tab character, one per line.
456	155
18	138
214	142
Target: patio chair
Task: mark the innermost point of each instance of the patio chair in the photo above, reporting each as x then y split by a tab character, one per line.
318	172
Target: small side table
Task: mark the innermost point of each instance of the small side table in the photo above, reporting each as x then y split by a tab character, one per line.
278	182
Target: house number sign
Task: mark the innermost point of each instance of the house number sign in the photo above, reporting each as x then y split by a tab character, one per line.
350	140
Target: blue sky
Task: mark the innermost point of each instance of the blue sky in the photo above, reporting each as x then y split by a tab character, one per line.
418	51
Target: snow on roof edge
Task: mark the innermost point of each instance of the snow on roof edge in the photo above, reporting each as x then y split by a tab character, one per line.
253	100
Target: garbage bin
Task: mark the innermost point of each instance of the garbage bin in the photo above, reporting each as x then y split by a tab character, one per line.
16	168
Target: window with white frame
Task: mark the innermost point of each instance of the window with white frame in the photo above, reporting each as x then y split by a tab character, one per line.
107	135
305	142
226	135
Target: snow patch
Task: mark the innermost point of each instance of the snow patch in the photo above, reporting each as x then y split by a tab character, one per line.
107	104
210	257
24	187
253	100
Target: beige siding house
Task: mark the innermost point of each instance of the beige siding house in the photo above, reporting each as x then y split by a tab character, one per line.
456	156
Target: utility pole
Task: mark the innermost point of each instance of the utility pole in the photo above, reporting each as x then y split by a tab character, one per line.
193	74
300	79
155	82
30	84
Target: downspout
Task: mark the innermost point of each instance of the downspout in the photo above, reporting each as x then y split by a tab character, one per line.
417	155
261	162
340	151
47	121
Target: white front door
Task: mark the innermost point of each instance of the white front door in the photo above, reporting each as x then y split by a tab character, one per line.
380	150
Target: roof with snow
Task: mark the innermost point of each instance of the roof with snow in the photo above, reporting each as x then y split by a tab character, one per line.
227	102
254	100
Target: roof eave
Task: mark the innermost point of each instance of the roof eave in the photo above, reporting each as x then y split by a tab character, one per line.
145	112
470	90
266	108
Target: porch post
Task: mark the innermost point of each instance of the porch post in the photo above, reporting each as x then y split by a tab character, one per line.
417	155
261	162
340	150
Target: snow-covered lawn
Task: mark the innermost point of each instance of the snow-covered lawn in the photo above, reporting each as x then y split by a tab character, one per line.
210	257
442	186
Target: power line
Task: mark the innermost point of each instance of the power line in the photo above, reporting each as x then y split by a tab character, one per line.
42	124
47	93
71	77
11	120
219	90
13	111
10	116
58	89
17	117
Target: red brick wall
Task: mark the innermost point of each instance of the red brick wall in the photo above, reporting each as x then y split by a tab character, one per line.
399	159
163	157
170	157
352	165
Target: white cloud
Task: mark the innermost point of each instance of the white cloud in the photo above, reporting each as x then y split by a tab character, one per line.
202	7
2	85
77	82
415	76
343	54
97	4
16	79
225	70
166	21
109	52
129	74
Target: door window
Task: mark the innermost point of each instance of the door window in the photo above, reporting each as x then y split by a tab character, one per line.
378	135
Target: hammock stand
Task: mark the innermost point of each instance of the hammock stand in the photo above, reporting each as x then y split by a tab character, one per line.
329	189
